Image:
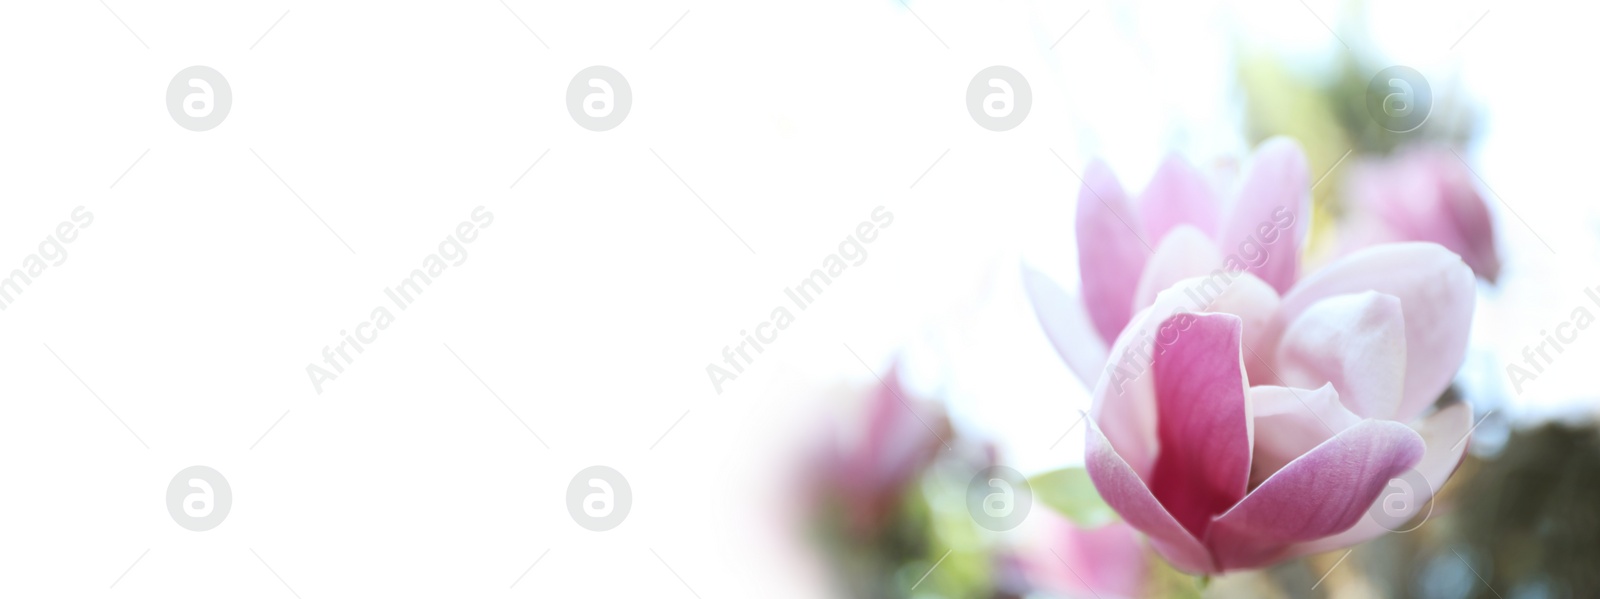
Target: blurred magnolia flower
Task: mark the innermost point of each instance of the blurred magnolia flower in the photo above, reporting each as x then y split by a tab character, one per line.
1264	427
867	475
1179	228
1107	561
1421	193
885	506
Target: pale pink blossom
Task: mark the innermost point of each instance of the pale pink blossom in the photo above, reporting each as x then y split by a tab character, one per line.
1179	228
868	475
1106	562
1226	466
1422	193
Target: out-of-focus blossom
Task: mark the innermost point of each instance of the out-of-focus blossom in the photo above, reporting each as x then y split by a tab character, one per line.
1420	193
1227	465
1108	561
1179	228
885	503
865	477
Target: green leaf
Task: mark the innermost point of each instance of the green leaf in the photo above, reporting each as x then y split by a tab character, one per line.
1070	492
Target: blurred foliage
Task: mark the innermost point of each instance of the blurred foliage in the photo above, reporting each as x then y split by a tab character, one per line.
1531	516
1070	492
1451	121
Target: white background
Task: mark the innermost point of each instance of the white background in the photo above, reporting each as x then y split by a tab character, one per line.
591	306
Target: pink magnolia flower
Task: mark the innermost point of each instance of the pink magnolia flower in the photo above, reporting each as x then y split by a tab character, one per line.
1421	194
1106	561
1226	466
869	475
1178	229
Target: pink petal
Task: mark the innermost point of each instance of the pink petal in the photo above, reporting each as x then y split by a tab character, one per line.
1355	341
1110	252
1436	293
1124	399
1426	194
1290	422
1243	295
1122	489
1445	433
1442	433
1109	561
1322	493
1471	231
1067	325
897	444
1204	421
1266	220
1184	253
1178	195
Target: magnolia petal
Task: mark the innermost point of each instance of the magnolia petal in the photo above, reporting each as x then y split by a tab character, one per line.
1423	194
1111	253
1291	422
1252	300
1444	433
1324	492
1436	293
1123	490
899	440
1183	253
1178	195
1267	216
1124	402
1471	231
1355	341
1204	420
1066	324
1124	399
1109	561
